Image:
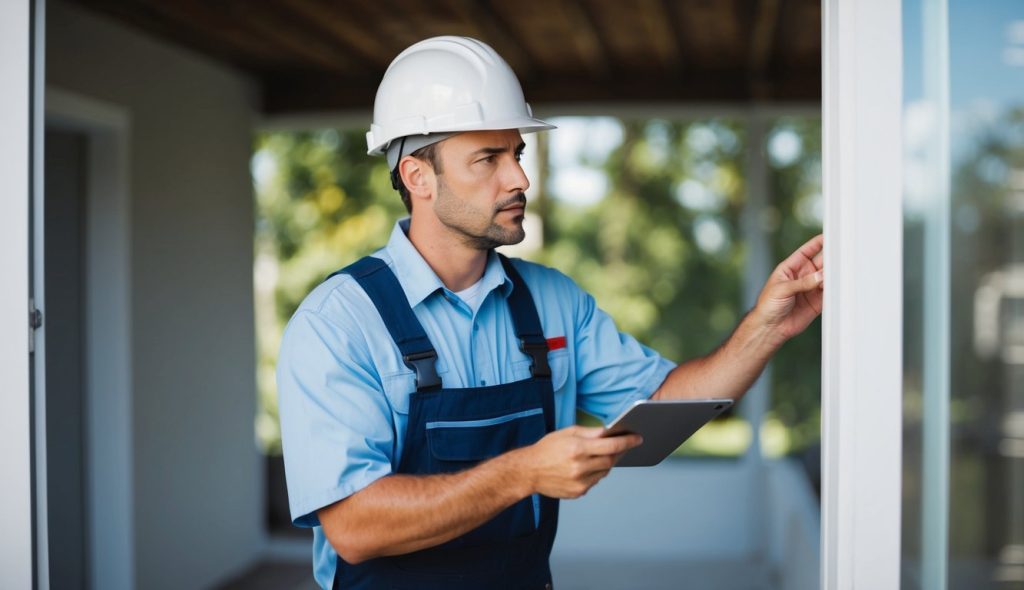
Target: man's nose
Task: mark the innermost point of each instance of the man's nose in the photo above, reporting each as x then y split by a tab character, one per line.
516	180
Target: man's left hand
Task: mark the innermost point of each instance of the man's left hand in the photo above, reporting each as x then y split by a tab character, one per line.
792	297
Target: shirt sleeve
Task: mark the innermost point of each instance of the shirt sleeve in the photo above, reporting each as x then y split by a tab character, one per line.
612	368
337	430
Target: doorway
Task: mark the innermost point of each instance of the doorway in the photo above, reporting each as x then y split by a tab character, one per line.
64	268
84	493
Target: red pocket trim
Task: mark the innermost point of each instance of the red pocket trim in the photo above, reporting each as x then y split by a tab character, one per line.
556	343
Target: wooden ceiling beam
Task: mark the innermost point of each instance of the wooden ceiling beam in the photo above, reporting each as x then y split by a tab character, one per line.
295	94
266	20
390	21
675	20
584	33
356	37
660	33
762	43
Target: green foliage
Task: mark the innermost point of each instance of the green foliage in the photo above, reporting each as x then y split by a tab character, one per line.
636	251
321	203
794	218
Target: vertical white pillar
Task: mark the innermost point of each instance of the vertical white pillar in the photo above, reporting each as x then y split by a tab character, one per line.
759	256
755	273
936	371
16	555
862	363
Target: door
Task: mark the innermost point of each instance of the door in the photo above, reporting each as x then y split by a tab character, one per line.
64	272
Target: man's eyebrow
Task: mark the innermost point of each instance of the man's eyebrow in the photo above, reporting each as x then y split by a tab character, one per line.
498	150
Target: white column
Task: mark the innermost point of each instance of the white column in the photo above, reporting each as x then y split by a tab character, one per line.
862	373
759	260
755	273
16	556
935	421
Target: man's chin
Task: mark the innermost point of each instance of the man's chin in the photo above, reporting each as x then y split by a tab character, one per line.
513	233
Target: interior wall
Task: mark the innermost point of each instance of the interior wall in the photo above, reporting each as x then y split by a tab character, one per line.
197	482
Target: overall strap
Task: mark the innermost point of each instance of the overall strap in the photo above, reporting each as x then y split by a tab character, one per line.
526	322
386	293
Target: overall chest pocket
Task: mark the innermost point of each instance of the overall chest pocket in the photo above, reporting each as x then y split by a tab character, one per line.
456	445
473	441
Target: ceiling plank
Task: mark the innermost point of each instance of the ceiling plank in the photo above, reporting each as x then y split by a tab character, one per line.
675	19
657	21
799	35
308	94
269	21
354	36
766	22
762	42
584	33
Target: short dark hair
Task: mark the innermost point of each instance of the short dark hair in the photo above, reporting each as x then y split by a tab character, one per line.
427	153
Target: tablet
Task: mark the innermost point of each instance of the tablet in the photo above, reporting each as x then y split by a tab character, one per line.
664	425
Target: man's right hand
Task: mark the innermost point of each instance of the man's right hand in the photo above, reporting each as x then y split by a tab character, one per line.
568	462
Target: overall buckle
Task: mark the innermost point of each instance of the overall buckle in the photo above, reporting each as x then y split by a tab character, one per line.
426	372
538	351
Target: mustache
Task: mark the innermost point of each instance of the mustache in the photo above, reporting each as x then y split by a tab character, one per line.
516	199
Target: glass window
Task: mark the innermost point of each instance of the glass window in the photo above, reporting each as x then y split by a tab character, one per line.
963	511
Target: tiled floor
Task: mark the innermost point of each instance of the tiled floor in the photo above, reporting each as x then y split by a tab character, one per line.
605	574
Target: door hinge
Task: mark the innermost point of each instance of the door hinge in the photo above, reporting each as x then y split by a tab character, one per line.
35	321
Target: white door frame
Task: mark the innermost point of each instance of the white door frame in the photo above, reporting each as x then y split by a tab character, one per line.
107	328
862	419
16	554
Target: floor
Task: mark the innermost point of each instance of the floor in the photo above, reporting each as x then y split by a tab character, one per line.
569	575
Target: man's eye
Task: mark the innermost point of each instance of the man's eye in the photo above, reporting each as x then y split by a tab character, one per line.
519	156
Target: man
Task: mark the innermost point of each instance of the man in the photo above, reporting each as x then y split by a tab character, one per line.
428	392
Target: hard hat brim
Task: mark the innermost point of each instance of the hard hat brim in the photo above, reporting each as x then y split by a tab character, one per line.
523	124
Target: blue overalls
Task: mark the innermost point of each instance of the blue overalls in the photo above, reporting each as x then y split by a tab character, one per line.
451	430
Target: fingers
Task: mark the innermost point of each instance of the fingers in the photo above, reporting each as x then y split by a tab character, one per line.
808	282
612	445
812	246
588	431
809	252
599	463
592	479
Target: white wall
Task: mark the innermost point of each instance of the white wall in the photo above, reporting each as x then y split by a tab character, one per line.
16	490
687	508
197	476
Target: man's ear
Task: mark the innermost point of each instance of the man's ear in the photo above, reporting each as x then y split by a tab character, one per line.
418	177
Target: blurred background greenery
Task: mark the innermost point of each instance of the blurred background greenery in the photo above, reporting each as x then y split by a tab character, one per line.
642	213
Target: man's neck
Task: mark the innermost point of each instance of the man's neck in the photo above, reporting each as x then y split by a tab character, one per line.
457	264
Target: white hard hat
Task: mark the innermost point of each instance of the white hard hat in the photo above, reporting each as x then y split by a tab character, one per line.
445	85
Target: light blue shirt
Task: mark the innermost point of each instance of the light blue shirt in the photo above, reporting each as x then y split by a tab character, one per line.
344	391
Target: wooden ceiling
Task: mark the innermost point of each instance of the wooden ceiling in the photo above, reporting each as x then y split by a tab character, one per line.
323	55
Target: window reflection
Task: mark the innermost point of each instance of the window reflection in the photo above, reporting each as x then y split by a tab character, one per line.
977	98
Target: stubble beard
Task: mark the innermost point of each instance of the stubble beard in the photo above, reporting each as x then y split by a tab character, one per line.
465	221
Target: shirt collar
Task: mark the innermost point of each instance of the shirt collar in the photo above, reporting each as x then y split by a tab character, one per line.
419	281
